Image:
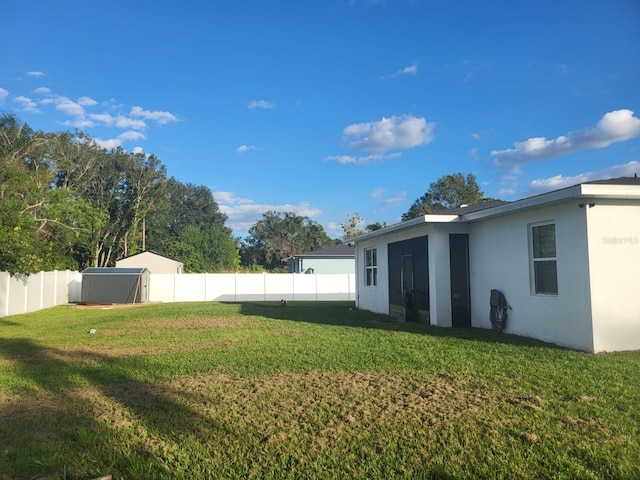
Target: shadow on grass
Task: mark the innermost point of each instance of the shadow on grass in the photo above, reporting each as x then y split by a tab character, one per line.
78	403
345	314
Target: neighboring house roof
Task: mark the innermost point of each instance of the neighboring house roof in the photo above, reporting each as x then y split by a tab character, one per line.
342	250
614	188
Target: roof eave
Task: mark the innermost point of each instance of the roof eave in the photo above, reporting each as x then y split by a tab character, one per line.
414	222
584	190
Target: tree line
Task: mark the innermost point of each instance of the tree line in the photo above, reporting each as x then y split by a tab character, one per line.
67	203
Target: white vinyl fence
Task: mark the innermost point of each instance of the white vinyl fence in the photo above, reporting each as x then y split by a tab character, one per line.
239	287
22	294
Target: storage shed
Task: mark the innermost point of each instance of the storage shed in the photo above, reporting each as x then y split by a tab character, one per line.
115	285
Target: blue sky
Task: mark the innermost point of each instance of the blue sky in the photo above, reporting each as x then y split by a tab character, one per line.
326	108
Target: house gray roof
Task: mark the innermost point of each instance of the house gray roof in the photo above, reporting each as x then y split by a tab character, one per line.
341	250
617	181
619	188
462	210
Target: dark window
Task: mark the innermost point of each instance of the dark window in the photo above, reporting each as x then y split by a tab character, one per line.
371	266
545	272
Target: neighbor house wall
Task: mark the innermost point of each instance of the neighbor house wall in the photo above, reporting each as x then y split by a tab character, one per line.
151	261
328	265
614	263
499	258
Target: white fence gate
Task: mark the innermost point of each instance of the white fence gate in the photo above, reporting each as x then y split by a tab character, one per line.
22	294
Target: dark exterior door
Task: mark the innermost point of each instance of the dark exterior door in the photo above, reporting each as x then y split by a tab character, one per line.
459	268
409	280
411	313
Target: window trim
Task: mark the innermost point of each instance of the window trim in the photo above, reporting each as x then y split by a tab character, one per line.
534	261
371	271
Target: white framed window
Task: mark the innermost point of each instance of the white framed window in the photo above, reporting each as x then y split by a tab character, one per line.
544	268
371	266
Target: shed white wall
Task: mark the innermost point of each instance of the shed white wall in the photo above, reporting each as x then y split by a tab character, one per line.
151	261
614	264
499	258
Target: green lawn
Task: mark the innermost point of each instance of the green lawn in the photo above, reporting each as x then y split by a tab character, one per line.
313	390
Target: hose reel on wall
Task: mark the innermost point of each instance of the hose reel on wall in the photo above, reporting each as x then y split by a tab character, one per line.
499	310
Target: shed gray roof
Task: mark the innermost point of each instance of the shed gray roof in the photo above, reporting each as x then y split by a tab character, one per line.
113	271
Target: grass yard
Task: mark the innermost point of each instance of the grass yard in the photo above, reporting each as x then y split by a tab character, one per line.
314	390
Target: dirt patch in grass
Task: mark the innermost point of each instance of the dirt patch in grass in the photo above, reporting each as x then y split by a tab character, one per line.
192	322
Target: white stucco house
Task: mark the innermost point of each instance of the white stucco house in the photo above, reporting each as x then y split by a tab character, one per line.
567	261
334	259
152	261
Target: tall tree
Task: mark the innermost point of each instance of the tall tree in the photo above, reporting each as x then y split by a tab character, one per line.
278	236
29	222
449	191
186	223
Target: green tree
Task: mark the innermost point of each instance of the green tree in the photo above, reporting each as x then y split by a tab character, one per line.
186	223
351	227
278	236
449	191
27	229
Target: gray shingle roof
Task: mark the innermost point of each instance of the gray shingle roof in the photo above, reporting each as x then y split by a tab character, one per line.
341	250
617	181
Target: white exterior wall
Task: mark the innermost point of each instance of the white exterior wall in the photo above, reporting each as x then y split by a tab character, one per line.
373	298
376	298
499	258
329	265
614	264
153	262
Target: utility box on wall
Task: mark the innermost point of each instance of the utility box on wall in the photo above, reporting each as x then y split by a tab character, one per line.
115	285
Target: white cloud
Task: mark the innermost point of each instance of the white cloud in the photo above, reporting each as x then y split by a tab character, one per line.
126	122
87	101
108	144
158	116
264	104
616	126
131	135
379	192
26	104
70	107
409	70
138	150
396	132
3	94
35	74
246	148
560	181
243	213
42	91
397	199
103	118
364	160
79	122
